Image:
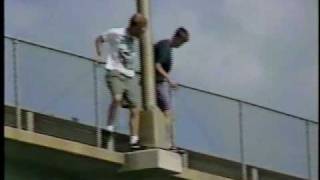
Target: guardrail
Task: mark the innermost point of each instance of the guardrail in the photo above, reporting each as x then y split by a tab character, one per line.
64	84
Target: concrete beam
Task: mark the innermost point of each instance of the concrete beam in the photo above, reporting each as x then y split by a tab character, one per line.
196	175
200	165
63	145
25	146
165	161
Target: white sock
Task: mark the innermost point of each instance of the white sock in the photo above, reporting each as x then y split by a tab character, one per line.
110	128
134	139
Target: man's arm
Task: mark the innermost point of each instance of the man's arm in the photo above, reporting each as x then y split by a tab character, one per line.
159	48
98	43
160	69
159	58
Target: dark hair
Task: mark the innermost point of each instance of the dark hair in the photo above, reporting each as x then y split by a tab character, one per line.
182	32
133	21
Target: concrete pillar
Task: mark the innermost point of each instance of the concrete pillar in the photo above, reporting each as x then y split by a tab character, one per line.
19	117
30	121
153	124
254	174
110	143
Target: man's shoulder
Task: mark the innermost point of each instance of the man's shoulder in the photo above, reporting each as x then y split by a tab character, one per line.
163	43
117	31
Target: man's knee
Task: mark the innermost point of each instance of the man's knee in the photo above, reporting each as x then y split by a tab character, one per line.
117	99
135	110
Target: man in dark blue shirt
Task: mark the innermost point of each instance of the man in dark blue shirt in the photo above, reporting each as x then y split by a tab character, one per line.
163	65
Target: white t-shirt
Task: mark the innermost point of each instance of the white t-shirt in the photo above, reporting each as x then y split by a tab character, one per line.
120	51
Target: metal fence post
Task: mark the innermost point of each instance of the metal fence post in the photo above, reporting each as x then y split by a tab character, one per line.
16	84
243	165
96	105
308	150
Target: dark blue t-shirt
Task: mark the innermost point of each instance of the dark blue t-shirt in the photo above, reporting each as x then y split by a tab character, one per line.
162	55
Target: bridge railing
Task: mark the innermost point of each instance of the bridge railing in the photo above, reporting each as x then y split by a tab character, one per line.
67	85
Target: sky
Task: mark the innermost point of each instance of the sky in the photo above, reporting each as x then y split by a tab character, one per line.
264	52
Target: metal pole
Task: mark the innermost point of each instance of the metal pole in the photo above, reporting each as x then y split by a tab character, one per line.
15	83
243	165
147	63
96	106
308	150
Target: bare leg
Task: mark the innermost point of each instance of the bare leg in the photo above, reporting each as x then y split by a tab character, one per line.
134	121
168	115
113	108
112	116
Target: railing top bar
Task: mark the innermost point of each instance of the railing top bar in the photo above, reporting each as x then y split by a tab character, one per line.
50	48
185	86
249	103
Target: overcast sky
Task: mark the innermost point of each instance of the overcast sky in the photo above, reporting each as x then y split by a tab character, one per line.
264	52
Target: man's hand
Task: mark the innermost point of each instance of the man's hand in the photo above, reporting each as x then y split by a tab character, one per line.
98	60
173	84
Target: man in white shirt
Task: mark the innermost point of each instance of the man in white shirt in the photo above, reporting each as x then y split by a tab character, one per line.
119	56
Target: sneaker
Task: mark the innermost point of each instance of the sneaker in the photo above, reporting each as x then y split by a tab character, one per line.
136	146
125	104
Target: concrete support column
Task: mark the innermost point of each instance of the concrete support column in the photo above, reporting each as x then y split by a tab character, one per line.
30	121
254	174
153	124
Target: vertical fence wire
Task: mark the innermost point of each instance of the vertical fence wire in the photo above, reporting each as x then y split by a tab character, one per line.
308	150
16	84
96	105
243	165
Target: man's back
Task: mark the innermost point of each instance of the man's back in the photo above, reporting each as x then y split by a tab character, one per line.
163	56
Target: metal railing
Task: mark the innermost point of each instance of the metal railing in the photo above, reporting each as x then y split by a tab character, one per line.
64	84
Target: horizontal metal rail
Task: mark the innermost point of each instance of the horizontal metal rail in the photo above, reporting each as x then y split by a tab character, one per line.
181	85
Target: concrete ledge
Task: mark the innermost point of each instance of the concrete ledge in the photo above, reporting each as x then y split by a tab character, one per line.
36	149
153	159
63	145
196	175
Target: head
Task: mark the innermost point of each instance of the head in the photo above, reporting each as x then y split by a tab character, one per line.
180	37
137	25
